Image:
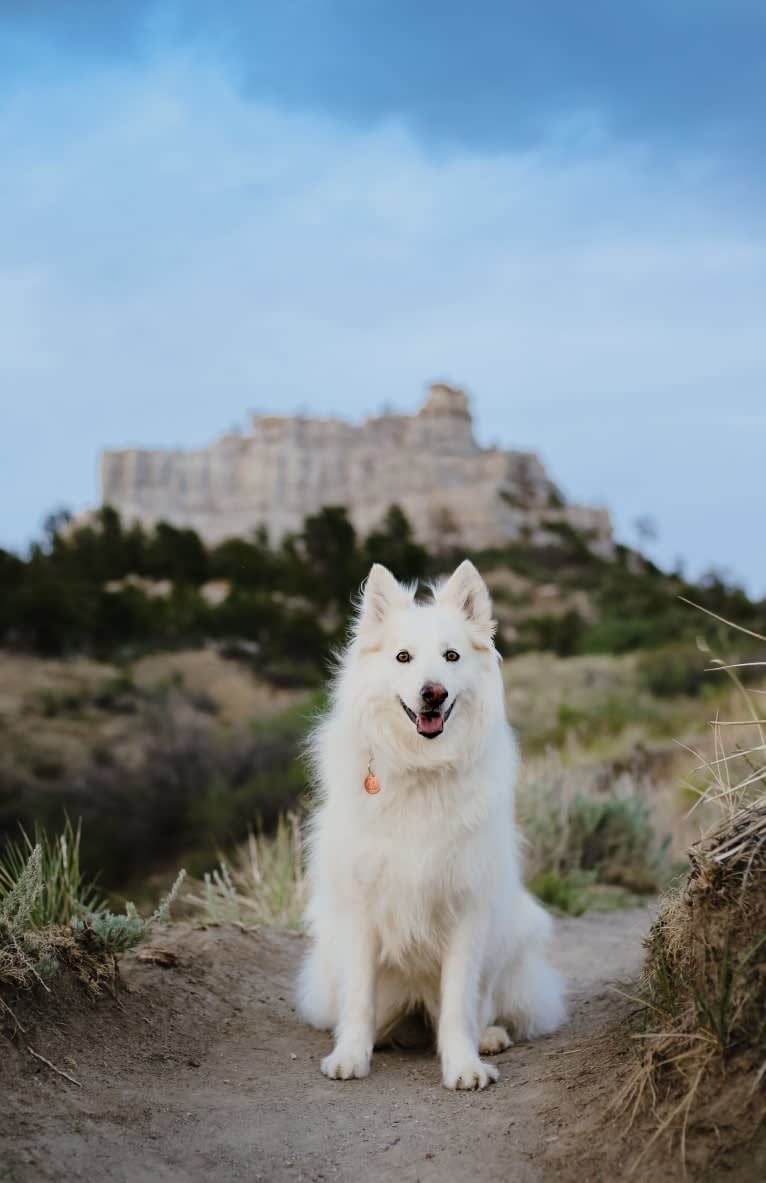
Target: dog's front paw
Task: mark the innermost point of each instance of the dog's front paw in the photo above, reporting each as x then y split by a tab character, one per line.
346	1064
470	1074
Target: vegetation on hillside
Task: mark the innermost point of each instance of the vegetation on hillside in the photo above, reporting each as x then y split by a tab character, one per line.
110	590
107	589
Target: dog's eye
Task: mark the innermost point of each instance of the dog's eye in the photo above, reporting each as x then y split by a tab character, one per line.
403	656
452	655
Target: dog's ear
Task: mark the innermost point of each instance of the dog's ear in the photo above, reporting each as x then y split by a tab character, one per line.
380	592
466	590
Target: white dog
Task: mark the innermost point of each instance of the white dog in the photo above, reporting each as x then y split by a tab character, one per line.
416	899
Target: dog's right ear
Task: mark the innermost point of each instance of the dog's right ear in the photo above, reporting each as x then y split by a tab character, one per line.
380	592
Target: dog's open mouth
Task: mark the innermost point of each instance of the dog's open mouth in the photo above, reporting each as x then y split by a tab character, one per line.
429	723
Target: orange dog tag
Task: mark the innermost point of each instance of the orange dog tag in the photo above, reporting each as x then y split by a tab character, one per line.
371	784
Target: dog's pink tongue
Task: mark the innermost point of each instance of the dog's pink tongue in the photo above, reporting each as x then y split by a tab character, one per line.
430	724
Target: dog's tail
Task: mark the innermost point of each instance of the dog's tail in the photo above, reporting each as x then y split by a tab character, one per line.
532	991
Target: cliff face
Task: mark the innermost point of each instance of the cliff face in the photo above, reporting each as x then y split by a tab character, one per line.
428	463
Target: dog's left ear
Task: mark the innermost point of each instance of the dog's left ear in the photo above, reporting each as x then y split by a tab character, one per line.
466	590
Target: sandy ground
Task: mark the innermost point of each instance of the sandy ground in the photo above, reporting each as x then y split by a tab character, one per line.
201	1072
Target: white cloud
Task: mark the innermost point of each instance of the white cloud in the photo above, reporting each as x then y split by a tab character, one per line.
176	255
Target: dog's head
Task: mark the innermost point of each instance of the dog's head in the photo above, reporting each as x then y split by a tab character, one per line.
424	680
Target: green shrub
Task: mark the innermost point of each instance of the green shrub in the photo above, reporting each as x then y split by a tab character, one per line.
615	839
604	715
626	632
563	893
557	634
118	695
53	703
578	836
115	933
674	670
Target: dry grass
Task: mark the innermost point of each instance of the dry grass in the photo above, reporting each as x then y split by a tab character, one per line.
603	703
704	1053
235	695
262	884
590	834
56	714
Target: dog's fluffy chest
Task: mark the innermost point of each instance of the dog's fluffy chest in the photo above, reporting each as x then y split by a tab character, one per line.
413	868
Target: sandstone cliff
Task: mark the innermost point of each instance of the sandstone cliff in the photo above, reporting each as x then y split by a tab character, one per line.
288	467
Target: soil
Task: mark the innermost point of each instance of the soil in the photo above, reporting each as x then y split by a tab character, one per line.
199	1071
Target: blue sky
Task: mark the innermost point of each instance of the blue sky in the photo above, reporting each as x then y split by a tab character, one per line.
320	206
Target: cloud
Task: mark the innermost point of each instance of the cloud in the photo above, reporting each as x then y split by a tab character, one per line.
175	253
490	73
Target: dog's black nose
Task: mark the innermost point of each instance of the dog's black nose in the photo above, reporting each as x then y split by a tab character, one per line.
433	694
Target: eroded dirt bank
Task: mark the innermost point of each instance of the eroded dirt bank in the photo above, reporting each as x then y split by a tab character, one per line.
202	1073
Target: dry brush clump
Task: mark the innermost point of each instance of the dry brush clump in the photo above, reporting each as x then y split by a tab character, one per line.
31	953
703	1066
51	917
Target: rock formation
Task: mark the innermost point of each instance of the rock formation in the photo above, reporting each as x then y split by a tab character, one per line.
429	463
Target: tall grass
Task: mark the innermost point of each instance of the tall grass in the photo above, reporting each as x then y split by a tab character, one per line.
735	777
65	892
262	884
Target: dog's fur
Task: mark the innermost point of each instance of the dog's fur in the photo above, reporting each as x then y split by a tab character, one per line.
416	899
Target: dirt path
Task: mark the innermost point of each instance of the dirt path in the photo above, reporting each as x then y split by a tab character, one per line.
204	1074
